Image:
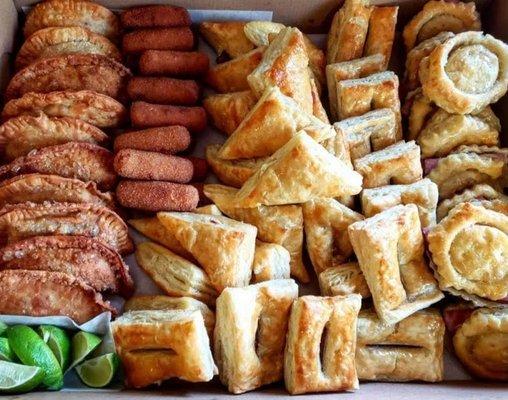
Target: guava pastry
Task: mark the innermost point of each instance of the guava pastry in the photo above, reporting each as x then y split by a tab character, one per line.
342	280
381	34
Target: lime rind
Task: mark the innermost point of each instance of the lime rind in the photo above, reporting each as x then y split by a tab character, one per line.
17	378
83	343
6	353
99	371
59	343
3	328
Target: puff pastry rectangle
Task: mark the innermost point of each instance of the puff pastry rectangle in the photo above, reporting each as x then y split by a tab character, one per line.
342	280
250	333
381	32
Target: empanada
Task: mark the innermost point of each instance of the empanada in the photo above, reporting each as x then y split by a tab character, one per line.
398	163
50	42
83	161
381	33
281	180
273	121
409	350
24	220
424	194
157	345
231	76
310	366
222	246
85	258
71	72
468	250
250	333
20	135
326	222
271	261
390	251
342	280
276	224
359	96
228	110
92	107
440	16
226	36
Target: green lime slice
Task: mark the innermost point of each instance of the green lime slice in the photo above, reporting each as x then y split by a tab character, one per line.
83	343
3	328
59	343
6	353
31	350
17	378
99	371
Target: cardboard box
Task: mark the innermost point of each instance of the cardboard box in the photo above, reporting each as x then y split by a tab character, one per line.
312	16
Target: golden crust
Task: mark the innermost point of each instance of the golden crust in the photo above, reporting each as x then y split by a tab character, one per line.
227	36
342	280
271	261
92	107
20	135
304	371
59	13
251	318
50	42
71	72
381	34
420	110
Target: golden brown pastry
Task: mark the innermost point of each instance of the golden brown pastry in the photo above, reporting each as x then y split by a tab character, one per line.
210	209
348	33
276	224
467	249
271	261
423	193
281	180
419	109
390	250
227	37
222	246
338	146
250	319
441	16
308	367
342	280
481	342
358	96
398	163
317	106
20	135
58	13
92	107
228	110
466	73
381	33
326	222
156	345
50	42
275	113
409	350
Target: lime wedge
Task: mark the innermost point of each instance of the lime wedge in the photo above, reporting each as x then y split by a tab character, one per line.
6	353
99	371
31	350
3	328
83	343
17	378
58	342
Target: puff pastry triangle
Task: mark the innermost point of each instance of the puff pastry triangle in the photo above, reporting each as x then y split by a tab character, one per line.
226	36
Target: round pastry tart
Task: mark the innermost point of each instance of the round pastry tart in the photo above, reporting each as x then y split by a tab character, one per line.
481	343
466	73
469	250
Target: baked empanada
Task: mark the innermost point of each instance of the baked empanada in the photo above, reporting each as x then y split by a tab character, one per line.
381	33
85	258
83	161
281	180
58	13
273	121
440	16
481	344
51	42
250	333
285	65
424	194
156	345
390	251
310	366
398	163
231	76
175	275
71	72
271	262
326	222
342	280
20	135
24	220
226	36
222	246
359	96
468	250
228	110
409	350
276	224
92	107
